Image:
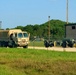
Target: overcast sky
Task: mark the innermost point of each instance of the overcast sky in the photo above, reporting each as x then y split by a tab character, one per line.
23	12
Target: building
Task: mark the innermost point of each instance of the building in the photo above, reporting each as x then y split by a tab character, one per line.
70	31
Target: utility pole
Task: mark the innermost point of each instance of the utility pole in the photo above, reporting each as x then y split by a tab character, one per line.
0	24
67	11
49	27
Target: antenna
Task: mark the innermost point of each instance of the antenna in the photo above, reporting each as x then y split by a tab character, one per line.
67	11
49	27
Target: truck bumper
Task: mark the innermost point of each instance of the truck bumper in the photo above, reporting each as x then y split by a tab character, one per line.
21	44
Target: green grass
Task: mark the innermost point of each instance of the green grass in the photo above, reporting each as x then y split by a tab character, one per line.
18	61
37	43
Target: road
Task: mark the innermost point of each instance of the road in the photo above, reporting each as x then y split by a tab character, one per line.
55	48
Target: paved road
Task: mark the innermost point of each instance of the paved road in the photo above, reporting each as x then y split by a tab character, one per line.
55	48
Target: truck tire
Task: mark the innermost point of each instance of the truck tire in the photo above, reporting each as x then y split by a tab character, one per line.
5	44
25	46
64	44
46	43
13	45
2	44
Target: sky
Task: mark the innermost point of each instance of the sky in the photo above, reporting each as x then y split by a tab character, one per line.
15	13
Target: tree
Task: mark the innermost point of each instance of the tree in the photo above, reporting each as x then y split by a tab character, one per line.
57	29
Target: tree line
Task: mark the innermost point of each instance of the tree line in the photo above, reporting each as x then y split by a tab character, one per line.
57	29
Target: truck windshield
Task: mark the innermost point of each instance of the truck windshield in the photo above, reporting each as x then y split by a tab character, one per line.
20	35
25	34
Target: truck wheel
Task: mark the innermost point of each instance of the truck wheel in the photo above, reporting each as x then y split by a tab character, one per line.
12	45
64	44
25	46
0	43
46	43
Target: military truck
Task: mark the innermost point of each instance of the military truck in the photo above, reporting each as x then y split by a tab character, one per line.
14	38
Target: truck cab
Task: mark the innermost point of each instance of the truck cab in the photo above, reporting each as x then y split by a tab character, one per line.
19	39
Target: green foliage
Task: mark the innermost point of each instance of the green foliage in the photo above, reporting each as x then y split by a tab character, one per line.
57	29
36	43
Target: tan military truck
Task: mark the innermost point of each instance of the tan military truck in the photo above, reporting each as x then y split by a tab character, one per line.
14	38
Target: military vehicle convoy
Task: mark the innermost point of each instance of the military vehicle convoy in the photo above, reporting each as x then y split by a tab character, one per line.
14	38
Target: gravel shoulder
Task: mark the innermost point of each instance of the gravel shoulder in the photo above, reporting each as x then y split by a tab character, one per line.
55	48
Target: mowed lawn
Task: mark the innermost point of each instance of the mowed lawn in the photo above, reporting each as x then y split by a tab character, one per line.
37	43
19	61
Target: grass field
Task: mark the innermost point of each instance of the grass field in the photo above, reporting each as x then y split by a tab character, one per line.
37	43
18	61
